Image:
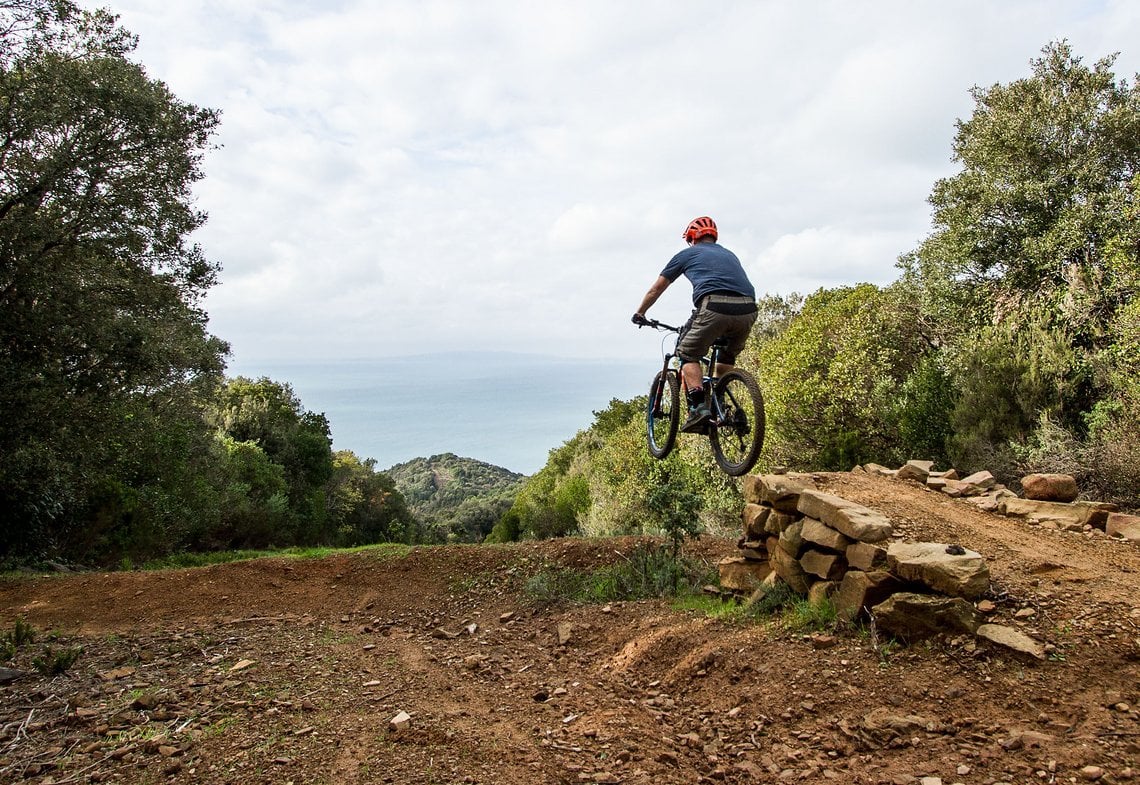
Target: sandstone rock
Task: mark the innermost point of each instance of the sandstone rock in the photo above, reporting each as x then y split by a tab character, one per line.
742	575
754	517
936	483
1024	739
750	486
816	532
954	488
752	549
791	538
780	491
1073	517
866	556
854	520
982	479
991	500
1120	525
828	566
918	471
974	485
400	722
860	591
778	521
912	616
962	574
762	590
885	723
881	471
789	569
949	474
1049	487
9	675
565	633
821	641
1011	639
821	591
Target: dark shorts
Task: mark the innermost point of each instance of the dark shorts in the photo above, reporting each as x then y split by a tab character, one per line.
719	316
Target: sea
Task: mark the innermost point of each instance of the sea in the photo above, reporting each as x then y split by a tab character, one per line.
509	410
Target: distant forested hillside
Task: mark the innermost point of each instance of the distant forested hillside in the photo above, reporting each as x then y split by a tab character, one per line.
455	499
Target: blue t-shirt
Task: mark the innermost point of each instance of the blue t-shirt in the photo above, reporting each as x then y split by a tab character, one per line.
710	268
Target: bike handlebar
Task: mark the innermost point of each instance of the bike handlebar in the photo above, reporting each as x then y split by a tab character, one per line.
642	321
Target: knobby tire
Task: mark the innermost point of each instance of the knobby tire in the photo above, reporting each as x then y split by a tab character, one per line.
663	413
738	436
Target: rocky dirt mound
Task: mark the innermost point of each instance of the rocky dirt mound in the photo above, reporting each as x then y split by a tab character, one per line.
430	667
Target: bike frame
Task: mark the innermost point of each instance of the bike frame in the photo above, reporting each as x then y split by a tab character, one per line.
736	406
708	369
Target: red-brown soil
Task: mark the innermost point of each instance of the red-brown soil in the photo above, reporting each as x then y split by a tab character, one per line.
289	671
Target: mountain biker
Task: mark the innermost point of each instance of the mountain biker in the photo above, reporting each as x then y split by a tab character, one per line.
724	303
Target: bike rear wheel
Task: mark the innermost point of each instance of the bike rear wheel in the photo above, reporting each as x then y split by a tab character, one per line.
737	433
663	413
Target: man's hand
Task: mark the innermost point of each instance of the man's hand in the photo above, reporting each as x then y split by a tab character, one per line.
639	319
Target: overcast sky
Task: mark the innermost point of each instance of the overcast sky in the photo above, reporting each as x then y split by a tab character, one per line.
406	177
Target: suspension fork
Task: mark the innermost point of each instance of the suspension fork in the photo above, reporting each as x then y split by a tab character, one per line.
664	382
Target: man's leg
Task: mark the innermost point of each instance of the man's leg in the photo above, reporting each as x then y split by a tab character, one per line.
699	413
692	374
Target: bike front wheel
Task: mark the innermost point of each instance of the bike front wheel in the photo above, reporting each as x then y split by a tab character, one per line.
663	413
737	433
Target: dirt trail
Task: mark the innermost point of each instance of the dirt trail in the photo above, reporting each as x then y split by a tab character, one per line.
289	671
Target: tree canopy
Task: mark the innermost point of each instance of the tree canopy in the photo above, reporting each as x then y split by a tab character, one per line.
120	438
1033	260
100	324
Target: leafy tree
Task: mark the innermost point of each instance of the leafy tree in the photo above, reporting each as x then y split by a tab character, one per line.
270	415
677	508
1047	164
256	499
1034	254
365	505
101	333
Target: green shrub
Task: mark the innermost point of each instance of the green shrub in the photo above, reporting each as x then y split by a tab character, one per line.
649	571
21	635
54	663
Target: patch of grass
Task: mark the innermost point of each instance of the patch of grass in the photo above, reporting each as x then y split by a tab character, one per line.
184	560
649	571
54	662
803	616
713	606
774	601
21	635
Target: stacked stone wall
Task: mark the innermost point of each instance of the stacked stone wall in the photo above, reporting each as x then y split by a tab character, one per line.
828	548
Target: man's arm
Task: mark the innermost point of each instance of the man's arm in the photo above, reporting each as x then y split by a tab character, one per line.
655	291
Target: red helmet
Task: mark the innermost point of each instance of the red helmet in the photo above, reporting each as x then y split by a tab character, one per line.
698	228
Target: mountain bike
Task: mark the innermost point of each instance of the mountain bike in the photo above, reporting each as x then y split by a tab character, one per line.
736	430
